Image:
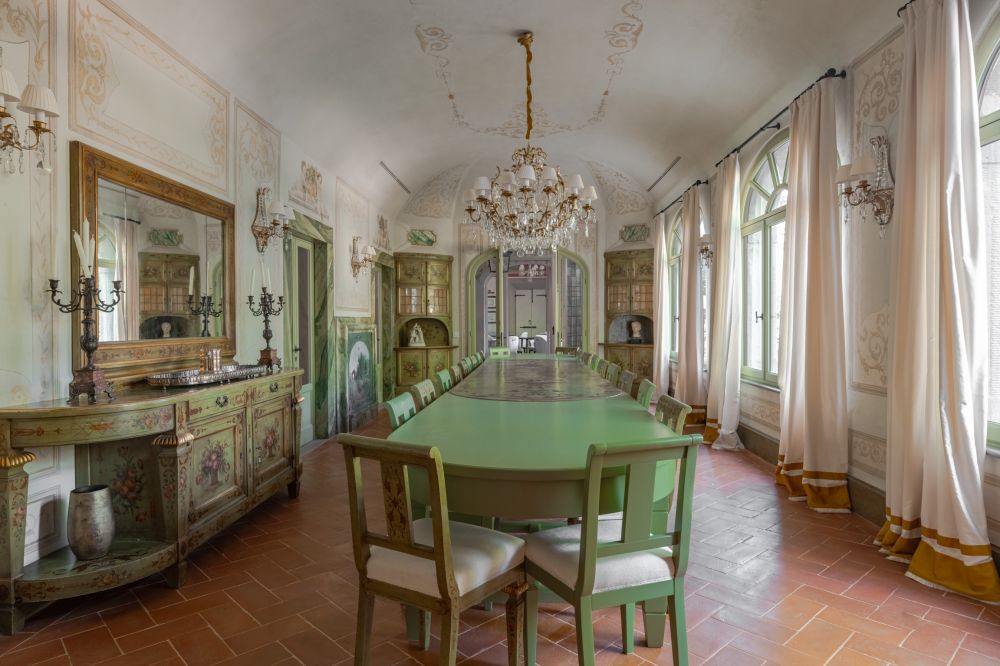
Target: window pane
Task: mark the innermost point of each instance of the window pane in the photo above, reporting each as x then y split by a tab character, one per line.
991	194
780	155
753	262
777	265
756	205
780	200
675	304
991	92
763	177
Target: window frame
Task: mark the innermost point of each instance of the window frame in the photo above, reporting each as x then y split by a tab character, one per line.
674	263
764	223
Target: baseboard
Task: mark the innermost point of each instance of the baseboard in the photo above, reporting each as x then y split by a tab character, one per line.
866	500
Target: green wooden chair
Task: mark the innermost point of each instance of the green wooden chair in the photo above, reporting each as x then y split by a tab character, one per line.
456	374
482	357
432	564
499	352
594	360
567	351
423	393
444	380
401	409
467	366
645	395
602	367
626	380
585	357
612	372
603	563
672	413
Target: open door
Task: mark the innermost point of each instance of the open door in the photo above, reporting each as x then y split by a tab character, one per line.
301	335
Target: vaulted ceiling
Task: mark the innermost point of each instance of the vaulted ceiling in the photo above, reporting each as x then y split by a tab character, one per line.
425	85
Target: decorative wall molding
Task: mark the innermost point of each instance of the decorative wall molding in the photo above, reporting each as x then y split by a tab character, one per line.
437	198
116	62
634	233
352	295
873	351
307	190
867	453
621	194
258	146
761	411
877	99
422	237
620	38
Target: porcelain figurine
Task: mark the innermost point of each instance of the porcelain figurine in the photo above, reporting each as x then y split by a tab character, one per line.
417	336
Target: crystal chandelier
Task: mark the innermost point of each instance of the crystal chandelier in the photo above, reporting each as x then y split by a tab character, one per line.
530	207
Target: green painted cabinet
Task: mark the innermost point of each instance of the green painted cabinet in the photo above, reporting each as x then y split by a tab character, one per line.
628	296
423	297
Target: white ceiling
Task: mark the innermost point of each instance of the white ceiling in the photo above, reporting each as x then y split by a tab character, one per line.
358	81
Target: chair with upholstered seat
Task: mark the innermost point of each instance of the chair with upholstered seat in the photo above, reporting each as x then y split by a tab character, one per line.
594	361
626	380
567	351
672	413
585	358
456	374
480	357
423	393
645	394
444	380
431	564
612	372
602	367
401	409
601	563
499	352
467	366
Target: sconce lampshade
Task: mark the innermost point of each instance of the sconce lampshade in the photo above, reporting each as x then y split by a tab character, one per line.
863	167
289	211
276	209
8	87
844	174
40	101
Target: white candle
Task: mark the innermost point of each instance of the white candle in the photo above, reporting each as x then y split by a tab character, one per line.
81	253
267	277
191	282
253	280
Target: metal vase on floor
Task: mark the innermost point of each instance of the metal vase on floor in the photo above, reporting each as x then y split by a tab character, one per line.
91	522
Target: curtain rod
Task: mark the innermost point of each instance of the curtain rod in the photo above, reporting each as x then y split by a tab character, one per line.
770	124
694	184
899	12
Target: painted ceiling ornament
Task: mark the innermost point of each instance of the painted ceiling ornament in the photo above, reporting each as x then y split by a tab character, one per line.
622	38
623	195
530	208
306	190
436	199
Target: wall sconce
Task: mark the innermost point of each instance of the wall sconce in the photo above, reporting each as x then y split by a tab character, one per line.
279	214
38	101
361	260
705	251
878	195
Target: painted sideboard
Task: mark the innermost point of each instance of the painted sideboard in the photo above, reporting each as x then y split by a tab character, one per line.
182	464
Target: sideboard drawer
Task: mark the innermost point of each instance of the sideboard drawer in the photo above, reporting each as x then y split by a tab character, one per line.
221	400
276	387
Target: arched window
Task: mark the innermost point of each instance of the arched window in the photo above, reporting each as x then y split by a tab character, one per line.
988	56
675	247
765	195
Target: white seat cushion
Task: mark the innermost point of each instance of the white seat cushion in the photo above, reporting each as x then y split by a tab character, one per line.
478	555
557	551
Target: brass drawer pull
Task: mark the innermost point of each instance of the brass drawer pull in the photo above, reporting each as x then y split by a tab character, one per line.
274	387
222	400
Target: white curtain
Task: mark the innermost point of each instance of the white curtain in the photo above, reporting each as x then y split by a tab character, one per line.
691	378
936	517
661	305
723	405
812	367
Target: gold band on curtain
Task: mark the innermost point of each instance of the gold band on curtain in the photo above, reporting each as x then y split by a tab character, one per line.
711	431
924	549
825	492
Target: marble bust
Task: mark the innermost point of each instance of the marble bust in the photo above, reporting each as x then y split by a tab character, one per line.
635	329
417	336
165	329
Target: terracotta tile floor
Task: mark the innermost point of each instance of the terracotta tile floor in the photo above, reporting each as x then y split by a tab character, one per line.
771	582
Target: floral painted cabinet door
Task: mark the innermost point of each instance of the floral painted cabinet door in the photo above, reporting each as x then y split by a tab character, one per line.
216	464
272	422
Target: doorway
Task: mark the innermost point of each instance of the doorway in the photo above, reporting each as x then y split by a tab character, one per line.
301	336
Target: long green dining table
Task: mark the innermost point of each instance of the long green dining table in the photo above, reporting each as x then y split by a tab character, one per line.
518	449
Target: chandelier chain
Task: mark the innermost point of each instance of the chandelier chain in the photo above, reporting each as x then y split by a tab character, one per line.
525	41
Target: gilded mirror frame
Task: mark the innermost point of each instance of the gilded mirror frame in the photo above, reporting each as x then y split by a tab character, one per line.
132	360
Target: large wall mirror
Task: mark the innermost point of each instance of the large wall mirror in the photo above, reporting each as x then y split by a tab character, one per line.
169	244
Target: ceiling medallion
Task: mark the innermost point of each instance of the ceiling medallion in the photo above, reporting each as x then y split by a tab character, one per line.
530	207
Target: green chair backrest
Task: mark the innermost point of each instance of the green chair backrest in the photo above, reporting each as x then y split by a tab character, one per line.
423	393
401	409
612	372
499	352
602	367
456	374
445	380
626	380
467	366
585	357
672	413
640	463
395	460
645	395
567	351
594	360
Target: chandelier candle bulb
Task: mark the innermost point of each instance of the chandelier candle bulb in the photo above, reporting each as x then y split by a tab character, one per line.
191	282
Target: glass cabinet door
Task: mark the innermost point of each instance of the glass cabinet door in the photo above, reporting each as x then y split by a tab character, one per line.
618	298
409	300
437	301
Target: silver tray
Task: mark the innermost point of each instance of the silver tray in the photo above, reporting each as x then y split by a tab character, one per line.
228	373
